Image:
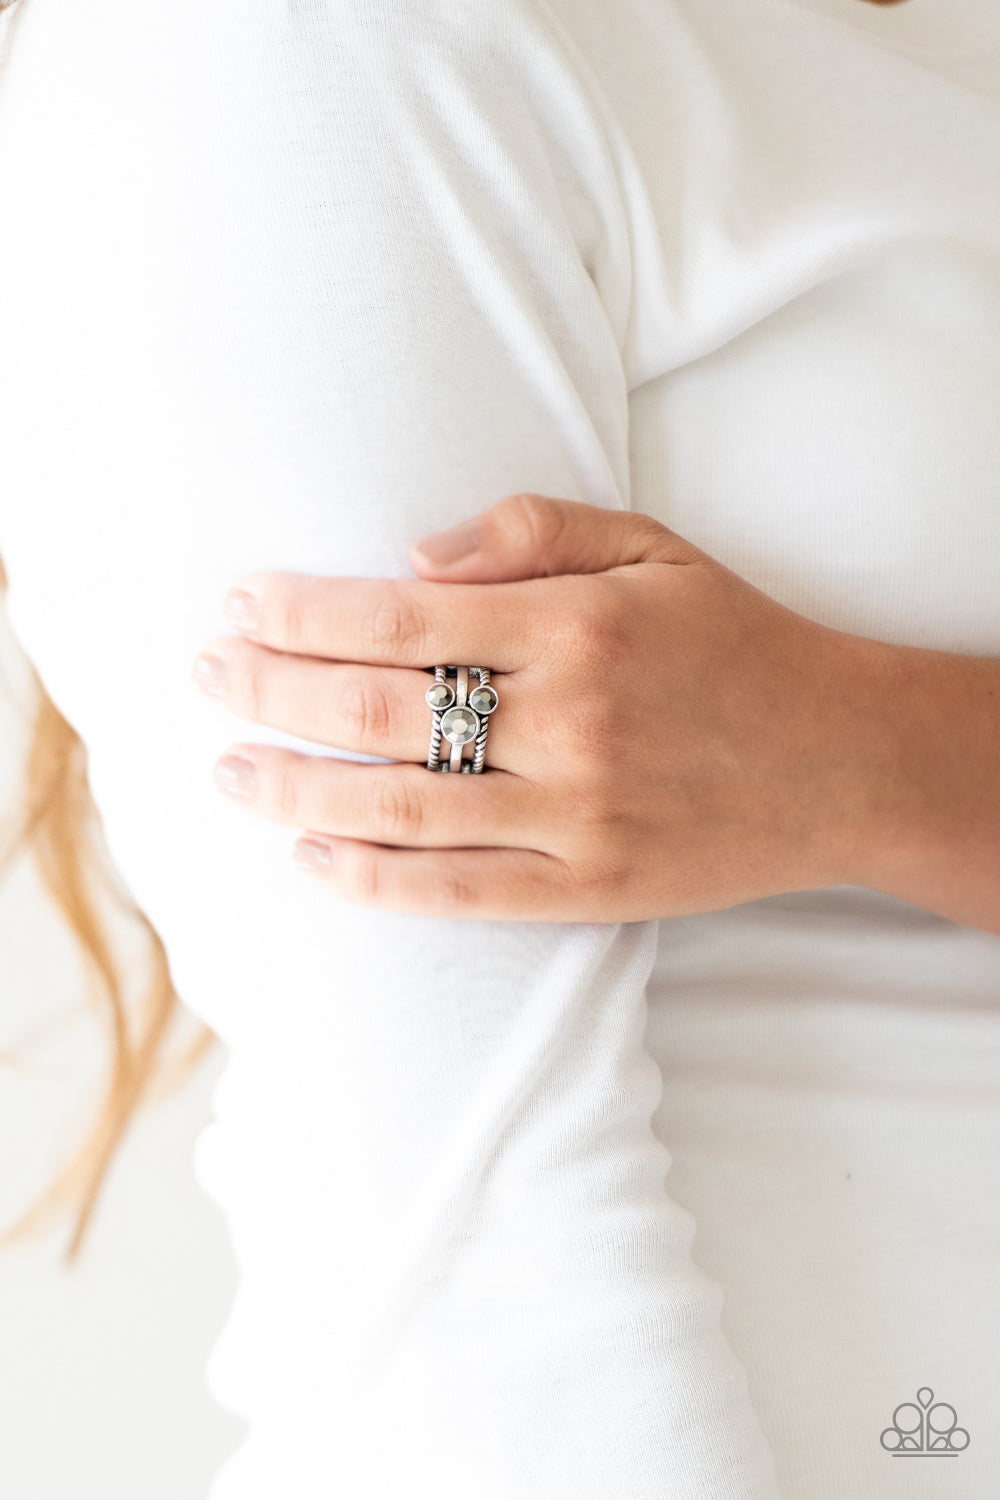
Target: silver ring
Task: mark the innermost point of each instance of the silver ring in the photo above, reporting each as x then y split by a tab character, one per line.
459	717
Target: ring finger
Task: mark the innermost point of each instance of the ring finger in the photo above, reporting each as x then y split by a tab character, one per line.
348	705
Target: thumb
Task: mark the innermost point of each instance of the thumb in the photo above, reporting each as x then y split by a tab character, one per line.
536	536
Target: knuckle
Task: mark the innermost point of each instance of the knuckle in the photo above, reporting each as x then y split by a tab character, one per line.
361	705
454	892
608	879
289	615
595	811
397	810
599	627
648	529
252	676
591	730
599	825
366	876
587	628
540	519
394	622
285	791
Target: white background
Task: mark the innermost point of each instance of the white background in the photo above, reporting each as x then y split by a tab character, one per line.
101	1392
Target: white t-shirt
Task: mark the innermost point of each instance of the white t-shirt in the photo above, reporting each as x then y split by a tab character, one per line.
680	1208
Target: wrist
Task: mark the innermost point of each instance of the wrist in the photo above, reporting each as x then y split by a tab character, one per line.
918	795
862	812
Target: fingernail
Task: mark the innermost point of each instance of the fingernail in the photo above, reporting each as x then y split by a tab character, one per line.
242	611
210	673
312	855
449	546
235	775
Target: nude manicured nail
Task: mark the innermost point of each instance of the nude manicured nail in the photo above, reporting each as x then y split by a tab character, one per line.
211	674
448	546
235	775
312	855
242	611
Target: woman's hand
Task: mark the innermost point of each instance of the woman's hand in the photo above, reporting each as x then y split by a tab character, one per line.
668	738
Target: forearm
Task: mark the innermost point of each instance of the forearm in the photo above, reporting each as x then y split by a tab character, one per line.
923	810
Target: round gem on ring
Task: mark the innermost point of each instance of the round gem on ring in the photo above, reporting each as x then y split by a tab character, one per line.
440	695
483	699
459	726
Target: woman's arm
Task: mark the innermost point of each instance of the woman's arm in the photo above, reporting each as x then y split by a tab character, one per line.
922	778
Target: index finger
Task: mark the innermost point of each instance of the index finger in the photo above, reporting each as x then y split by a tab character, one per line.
408	622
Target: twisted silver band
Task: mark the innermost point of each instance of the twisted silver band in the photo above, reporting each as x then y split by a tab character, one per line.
459	717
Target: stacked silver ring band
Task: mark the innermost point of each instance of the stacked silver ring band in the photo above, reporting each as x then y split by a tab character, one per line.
460	717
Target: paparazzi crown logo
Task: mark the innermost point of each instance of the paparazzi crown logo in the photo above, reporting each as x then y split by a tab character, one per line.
928	1429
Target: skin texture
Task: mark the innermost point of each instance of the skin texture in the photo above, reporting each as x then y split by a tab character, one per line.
668	738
